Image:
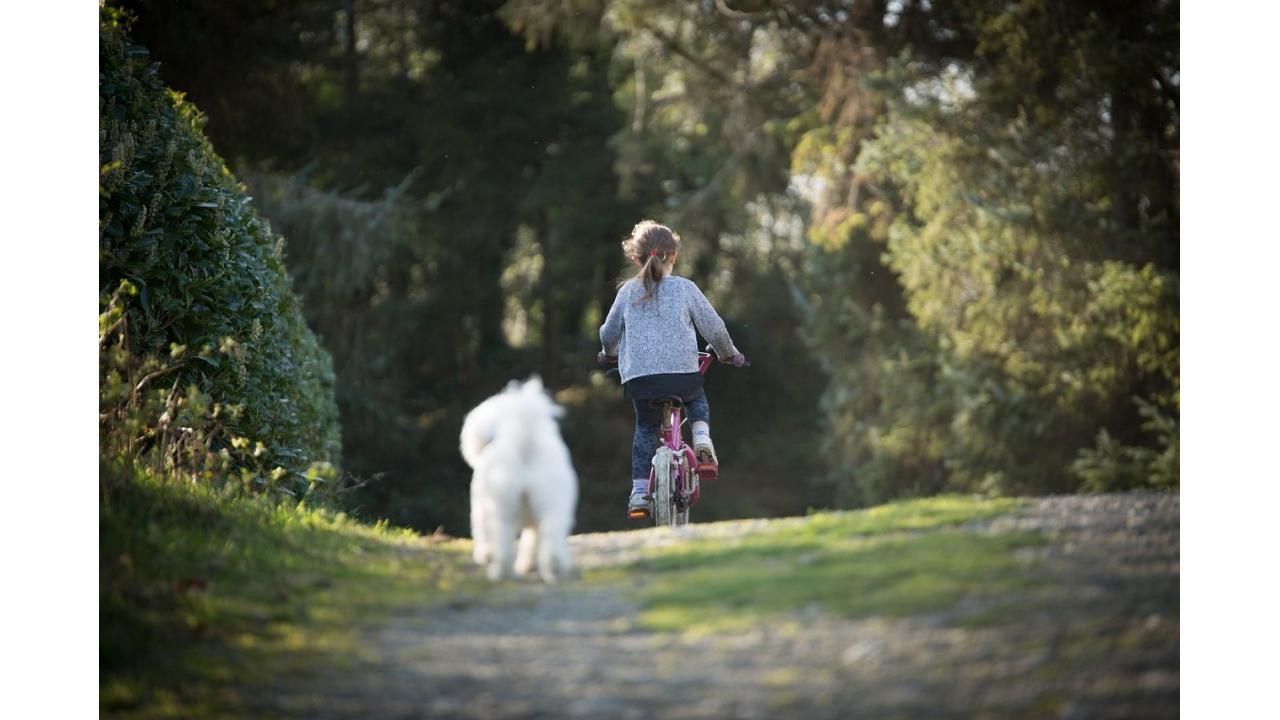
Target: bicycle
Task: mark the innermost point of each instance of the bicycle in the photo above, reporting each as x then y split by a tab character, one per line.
676	474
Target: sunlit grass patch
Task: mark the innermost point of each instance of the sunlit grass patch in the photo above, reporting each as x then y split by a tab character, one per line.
203	596
897	559
909	515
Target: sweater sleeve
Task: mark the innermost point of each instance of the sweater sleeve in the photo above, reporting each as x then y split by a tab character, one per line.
709	323
611	330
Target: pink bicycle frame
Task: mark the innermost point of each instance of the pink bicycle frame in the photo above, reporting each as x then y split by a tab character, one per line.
673	438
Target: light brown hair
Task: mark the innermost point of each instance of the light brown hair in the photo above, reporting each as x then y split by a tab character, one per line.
650	246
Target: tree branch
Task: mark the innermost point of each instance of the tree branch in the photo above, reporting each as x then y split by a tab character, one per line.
729	12
133	396
674	47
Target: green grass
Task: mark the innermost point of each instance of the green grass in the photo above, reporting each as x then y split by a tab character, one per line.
203	596
207	598
897	559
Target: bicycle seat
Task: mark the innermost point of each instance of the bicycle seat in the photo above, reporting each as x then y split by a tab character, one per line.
665	399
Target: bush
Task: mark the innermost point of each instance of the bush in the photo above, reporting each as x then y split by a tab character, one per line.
1111	466
202	339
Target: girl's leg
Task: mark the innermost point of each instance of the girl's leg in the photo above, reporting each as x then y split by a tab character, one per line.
648	425
699	411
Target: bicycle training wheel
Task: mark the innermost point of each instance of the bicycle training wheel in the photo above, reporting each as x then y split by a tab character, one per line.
681	517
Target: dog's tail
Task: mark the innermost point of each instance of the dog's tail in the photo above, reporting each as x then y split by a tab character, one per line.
478	431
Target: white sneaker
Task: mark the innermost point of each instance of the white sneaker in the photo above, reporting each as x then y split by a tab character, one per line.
638	504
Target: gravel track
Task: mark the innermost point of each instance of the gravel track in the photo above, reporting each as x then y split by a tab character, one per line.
1103	644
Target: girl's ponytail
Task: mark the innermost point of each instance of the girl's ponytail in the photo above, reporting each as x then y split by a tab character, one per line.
651	274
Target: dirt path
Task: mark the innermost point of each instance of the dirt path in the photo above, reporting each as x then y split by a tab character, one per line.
1104	644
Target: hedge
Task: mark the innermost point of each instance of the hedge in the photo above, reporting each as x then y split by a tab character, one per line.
208	295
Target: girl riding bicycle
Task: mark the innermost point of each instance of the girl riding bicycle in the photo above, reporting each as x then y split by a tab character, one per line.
650	329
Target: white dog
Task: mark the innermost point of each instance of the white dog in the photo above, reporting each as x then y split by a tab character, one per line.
523	483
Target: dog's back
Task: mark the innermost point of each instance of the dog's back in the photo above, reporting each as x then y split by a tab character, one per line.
518	423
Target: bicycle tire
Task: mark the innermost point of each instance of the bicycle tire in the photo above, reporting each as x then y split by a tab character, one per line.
681	516
664	487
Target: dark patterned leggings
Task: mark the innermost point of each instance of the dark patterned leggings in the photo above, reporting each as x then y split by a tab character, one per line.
649	425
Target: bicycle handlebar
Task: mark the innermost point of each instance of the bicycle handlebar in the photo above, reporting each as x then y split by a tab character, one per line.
711	351
611	361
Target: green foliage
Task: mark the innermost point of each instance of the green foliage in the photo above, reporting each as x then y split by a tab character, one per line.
1035	293
1038	340
208	595
206	362
1110	466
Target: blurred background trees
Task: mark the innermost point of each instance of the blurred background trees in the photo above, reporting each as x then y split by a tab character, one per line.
945	233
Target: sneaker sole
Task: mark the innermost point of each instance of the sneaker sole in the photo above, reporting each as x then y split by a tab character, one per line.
708	468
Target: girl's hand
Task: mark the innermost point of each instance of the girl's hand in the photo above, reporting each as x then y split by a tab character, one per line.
738	360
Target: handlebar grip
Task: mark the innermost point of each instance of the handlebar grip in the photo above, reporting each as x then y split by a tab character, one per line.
711	349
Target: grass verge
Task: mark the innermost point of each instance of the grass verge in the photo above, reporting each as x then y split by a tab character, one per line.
897	559
203	597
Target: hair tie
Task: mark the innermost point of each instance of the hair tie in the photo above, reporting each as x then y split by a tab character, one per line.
653	253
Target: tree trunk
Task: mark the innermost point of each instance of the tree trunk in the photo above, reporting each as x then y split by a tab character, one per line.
551	315
349	39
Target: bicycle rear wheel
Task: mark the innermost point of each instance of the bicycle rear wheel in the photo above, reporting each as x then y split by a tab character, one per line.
682	477
664	491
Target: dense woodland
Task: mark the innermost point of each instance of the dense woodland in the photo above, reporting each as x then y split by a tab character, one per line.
945	233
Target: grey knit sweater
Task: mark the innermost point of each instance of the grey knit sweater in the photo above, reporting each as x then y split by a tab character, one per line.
657	335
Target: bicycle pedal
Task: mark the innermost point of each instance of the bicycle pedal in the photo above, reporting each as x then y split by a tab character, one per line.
637	514
708	470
